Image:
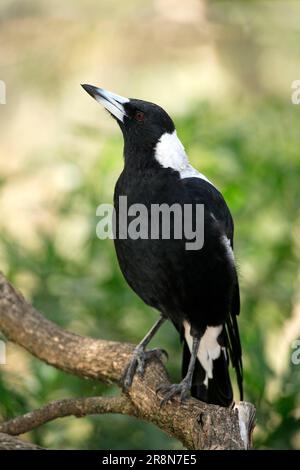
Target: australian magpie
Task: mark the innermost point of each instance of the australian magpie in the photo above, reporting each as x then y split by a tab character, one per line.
197	290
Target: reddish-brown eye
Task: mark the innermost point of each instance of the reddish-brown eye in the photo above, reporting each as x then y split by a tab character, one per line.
139	116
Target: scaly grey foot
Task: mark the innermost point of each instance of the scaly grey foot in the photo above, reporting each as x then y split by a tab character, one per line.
138	362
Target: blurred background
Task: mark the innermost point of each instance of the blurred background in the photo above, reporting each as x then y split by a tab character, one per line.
223	70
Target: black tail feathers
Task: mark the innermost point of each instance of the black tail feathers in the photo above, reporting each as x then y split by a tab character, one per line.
219	390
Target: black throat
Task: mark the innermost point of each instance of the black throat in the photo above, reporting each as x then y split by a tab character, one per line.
139	156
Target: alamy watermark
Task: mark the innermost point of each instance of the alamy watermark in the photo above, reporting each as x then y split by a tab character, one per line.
295	96
295	358
2	92
160	221
2	352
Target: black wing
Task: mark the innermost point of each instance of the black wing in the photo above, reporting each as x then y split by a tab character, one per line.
232	330
214	201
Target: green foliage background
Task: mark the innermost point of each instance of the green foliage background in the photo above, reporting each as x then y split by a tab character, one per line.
246	142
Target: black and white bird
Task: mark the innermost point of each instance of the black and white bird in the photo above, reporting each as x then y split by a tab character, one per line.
197	290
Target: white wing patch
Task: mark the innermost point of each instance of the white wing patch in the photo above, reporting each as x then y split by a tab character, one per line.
226	242
209	348
170	153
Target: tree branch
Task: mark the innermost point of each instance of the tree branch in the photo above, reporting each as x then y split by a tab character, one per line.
197	425
78	407
11	443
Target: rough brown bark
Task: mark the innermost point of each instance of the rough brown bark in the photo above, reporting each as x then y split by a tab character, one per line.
78	407
196	424
12	443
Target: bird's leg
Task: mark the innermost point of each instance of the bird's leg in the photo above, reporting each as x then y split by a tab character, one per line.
140	355
184	387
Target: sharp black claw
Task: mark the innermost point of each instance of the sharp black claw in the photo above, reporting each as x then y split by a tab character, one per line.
163	353
171	391
128	378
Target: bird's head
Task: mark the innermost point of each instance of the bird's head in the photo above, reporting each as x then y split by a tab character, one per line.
142	123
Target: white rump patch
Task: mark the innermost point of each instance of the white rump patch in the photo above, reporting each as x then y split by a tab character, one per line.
209	348
170	153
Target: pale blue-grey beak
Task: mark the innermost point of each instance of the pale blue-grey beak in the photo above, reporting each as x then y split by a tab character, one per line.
112	102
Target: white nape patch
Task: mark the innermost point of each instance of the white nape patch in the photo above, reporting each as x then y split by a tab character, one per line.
226	242
209	348
170	153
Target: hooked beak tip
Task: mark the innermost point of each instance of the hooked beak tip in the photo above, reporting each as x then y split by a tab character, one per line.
111	102
91	90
